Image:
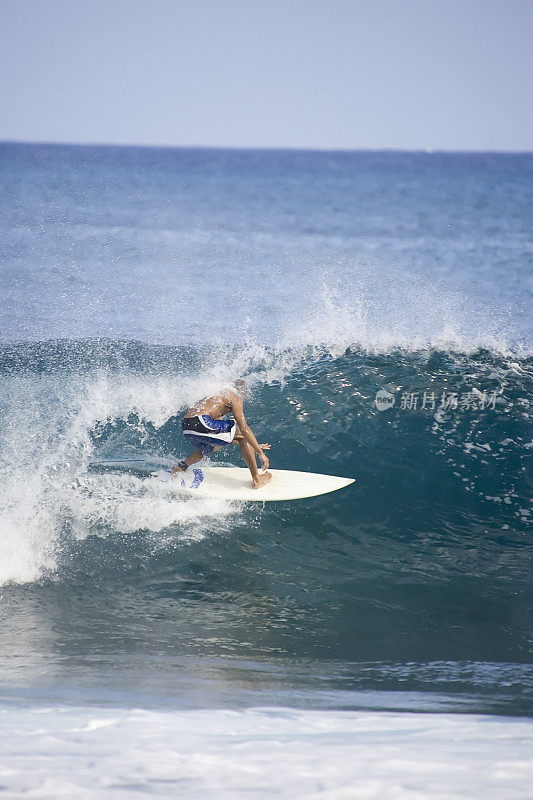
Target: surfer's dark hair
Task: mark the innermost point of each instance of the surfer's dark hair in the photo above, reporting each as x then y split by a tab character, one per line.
241	386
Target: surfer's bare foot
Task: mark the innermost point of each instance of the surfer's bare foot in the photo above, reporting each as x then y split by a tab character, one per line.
176	470
262	479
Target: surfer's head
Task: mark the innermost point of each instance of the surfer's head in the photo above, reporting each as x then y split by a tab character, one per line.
241	387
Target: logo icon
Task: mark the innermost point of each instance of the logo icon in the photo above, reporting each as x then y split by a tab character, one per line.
384	400
186	483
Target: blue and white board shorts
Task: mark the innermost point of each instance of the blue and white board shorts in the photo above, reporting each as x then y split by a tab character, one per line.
206	433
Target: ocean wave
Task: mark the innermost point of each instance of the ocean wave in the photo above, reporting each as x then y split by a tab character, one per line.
445	464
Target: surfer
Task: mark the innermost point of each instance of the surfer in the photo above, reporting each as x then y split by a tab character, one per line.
204	428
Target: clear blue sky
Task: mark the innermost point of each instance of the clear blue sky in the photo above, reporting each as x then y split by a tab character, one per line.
444	74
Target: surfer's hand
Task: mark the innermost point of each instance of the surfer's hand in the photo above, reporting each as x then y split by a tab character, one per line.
264	446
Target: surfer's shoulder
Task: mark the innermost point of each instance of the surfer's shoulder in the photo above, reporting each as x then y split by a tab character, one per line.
232	397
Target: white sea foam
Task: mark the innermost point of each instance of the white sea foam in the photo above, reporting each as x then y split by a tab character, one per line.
46	447
263	753
378	310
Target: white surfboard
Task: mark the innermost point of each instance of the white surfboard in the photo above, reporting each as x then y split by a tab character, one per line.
234	483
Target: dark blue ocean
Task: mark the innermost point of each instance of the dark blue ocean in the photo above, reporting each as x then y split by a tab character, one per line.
157	645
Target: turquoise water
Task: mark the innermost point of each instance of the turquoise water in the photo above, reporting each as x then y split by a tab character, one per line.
135	280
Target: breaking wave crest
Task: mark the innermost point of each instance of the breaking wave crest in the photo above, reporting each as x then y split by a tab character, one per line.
423	465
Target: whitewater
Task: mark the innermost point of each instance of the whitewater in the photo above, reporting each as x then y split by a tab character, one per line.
372	643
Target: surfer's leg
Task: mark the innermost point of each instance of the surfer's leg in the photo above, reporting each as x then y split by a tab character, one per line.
193	458
203	447
249	459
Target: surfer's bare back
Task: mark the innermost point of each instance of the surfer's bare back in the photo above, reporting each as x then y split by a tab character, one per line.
204	428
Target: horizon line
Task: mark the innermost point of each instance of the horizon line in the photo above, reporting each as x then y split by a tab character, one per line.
280	148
